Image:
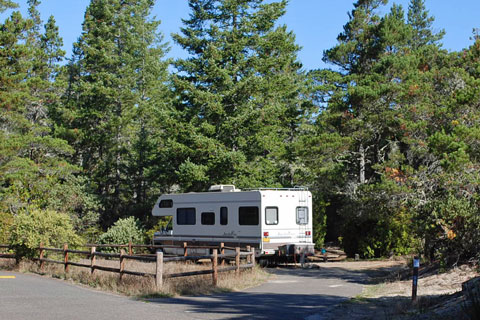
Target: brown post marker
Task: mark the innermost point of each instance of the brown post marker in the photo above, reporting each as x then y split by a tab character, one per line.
92	260
253	257
248	257
222	252
159	270
65	256
130	250
122	263
215	267
237	260
42	253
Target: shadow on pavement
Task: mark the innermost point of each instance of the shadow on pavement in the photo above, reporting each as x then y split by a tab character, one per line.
255	305
288	303
365	276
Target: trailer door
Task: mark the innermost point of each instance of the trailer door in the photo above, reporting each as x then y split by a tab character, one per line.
302	222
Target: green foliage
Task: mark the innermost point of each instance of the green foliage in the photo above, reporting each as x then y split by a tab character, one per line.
450	226
7	4
115	111
34	164
6	221
162	224
33	226
388	141
319	229
380	237
391	134
239	95
122	232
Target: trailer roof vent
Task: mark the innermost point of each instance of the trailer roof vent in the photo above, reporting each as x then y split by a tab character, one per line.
223	188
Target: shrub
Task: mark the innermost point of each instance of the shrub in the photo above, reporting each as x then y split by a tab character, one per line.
122	232
451	228
6	221
381	236
34	226
162	223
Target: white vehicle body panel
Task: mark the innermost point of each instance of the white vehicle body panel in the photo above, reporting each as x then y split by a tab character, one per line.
285	208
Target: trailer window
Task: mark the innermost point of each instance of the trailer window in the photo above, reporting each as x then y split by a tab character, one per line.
167	203
248	216
271	215
186	216
302	215
208	218
223	216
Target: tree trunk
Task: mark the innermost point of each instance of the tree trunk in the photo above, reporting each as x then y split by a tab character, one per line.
362	164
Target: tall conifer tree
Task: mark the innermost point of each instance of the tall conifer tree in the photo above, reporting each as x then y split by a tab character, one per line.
363	111
116	93
33	166
422	25
240	94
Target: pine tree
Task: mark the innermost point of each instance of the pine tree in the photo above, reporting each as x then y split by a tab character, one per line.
240	94
116	98
363	55
7	4
33	166
422	25
361	128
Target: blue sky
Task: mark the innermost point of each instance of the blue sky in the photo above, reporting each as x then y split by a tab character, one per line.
316	23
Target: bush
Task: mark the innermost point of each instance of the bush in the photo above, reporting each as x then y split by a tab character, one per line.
6	221
451	228
124	231
386	235
34	226
162	223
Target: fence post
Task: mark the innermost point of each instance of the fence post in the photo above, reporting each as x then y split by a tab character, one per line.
92	260
215	267
237	260
130	249
185	252
253	257
416	265
122	263
248	257
42	254
159	270
222	252
65	257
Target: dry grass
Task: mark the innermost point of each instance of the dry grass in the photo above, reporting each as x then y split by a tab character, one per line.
429	284
145	286
7	264
439	297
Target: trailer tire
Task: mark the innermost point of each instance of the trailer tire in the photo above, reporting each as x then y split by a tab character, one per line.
263	262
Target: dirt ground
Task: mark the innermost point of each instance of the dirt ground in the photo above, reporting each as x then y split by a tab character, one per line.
389	290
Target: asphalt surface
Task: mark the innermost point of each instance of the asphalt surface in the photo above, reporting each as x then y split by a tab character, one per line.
291	294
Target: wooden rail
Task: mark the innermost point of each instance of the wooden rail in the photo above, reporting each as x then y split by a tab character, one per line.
157	258
6	255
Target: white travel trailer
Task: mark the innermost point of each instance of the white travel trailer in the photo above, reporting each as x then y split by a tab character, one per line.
274	221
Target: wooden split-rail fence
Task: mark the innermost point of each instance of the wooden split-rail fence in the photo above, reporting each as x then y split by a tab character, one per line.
218	254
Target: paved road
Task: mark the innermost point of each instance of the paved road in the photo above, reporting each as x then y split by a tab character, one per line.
292	294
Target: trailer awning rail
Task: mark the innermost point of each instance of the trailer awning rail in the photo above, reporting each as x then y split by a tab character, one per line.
296	188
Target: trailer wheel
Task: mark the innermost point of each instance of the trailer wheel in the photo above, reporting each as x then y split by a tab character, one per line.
263	262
